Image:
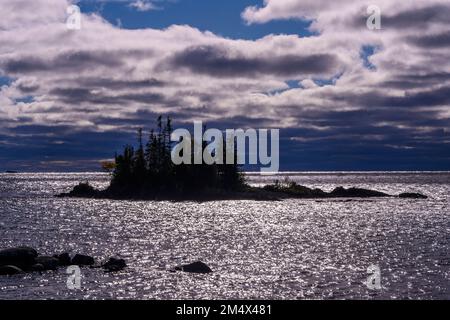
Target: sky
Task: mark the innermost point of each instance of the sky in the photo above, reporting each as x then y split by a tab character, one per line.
345	97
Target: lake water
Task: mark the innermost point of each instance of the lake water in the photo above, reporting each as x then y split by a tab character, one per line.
291	249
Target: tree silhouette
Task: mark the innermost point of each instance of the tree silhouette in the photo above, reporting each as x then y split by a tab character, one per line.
149	170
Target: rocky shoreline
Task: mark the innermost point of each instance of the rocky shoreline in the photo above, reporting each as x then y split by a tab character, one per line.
267	193
20	260
24	260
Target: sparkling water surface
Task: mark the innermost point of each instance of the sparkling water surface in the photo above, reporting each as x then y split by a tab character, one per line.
291	249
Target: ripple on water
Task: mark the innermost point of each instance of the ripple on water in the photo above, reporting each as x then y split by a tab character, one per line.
291	249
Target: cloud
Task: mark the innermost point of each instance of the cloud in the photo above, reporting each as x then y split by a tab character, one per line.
287	9
142	5
106	81
22	13
419	17
219	62
407	14
78	60
440	40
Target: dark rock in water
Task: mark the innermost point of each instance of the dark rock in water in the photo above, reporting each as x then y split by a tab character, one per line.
356	193
63	258
82	190
295	190
82	260
196	267
49	263
22	257
9	270
37	267
412	196
114	265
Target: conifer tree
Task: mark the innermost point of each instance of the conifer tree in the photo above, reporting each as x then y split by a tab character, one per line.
149	170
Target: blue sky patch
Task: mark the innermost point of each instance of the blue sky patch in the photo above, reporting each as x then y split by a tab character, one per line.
220	17
366	52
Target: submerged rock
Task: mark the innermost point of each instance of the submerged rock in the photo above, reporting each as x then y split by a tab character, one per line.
82	260
196	267
9	270
114	265
22	257
409	195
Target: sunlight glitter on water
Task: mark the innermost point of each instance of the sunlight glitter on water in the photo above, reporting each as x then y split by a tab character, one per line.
313	249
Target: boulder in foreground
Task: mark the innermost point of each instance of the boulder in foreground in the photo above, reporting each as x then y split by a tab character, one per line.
114	265
63	259
196	267
9	270
82	260
24	259
37	267
48	263
21	257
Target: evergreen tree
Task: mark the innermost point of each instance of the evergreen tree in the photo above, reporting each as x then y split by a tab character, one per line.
150	170
139	166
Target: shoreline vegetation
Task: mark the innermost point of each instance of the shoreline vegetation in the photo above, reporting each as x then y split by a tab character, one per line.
148	173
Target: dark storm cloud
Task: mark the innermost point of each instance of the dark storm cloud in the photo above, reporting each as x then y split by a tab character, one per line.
356	139
373	121
89	101
408	81
417	18
435	97
440	40
79	95
429	98
241	122
61	148
146	119
76	95
80	60
345	140
83	91
351	153
181	118
353	140
145	98
25	88
368	121
217	61
116	84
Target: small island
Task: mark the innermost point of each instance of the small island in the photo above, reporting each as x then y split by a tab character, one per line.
146	172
